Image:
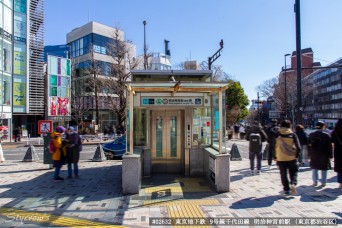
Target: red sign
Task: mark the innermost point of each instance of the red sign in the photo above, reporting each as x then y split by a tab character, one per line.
44	126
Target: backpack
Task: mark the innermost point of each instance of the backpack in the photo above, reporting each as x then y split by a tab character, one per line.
52	147
255	144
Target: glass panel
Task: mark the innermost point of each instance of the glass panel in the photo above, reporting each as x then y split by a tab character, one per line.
140	124
53	80
53	91
201	126
173	126
159	137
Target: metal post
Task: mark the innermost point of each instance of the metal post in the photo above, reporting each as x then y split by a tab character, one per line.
258	101
285	86
299	63
145	50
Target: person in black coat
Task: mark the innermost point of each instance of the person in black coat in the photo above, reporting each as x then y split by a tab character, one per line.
320	151
272	134
73	153
336	138
303	139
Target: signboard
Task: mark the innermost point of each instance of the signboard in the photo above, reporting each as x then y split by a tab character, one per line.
59	84
171	101
44	126
19	94
274	114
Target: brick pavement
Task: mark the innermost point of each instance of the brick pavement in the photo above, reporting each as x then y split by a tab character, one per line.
96	199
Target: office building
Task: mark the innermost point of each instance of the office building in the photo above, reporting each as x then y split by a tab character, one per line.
90	48
21	67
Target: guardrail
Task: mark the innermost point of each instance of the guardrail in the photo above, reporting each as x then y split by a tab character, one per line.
99	137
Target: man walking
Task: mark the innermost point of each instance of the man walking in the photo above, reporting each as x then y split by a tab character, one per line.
256	136
287	151
272	134
320	151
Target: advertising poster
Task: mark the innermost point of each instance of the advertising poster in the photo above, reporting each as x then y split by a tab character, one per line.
19	94
19	63
20	6
59	87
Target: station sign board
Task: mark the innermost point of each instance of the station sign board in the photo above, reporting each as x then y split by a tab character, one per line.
171	101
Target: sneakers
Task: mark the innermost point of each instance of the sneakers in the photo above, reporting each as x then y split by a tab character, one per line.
293	189
252	172
258	172
57	179
323	185
268	167
287	193
314	184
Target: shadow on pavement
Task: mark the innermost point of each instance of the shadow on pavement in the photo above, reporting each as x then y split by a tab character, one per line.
93	193
253	202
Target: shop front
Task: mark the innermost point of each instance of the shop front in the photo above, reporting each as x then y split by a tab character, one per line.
175	125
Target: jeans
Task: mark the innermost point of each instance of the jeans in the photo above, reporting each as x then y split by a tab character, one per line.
315	176
252	158
292	167
57	171
70	169
339	178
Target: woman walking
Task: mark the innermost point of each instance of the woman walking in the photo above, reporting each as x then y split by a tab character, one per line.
336	138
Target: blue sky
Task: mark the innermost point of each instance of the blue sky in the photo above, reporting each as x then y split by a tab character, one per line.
256	33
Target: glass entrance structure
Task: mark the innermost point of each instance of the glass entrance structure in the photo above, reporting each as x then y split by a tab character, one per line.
177	124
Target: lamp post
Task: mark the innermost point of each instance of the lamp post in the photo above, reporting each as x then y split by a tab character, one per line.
285	86
145	50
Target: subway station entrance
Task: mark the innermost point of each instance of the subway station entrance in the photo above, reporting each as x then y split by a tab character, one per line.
175	125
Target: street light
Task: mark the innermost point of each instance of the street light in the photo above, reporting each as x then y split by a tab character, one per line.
145	50
285	86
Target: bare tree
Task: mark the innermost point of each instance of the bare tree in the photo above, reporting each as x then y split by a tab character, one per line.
114	88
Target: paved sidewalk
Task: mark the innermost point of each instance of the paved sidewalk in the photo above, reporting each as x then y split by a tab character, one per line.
29	197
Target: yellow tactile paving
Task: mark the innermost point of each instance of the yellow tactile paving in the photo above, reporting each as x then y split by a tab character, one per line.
38	217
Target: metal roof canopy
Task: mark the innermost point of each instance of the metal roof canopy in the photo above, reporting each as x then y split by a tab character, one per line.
174	81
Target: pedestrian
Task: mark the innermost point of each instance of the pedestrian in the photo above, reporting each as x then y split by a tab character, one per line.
59	155
303	139
336	138
242	131
2	158
15	134
287	151
272	134
256	136
73	152
320	151
236	131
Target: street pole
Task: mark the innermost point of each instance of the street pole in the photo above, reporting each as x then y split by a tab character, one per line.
299	63
258	108
95	87
215	56
285	68
145	49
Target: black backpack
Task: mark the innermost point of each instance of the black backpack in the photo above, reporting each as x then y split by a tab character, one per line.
255	143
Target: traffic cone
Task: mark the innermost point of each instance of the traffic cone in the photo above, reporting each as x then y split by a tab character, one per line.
31	154
2	159
235	153
99	155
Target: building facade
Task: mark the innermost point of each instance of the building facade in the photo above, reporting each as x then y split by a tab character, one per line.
22	66
90	48
324	99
